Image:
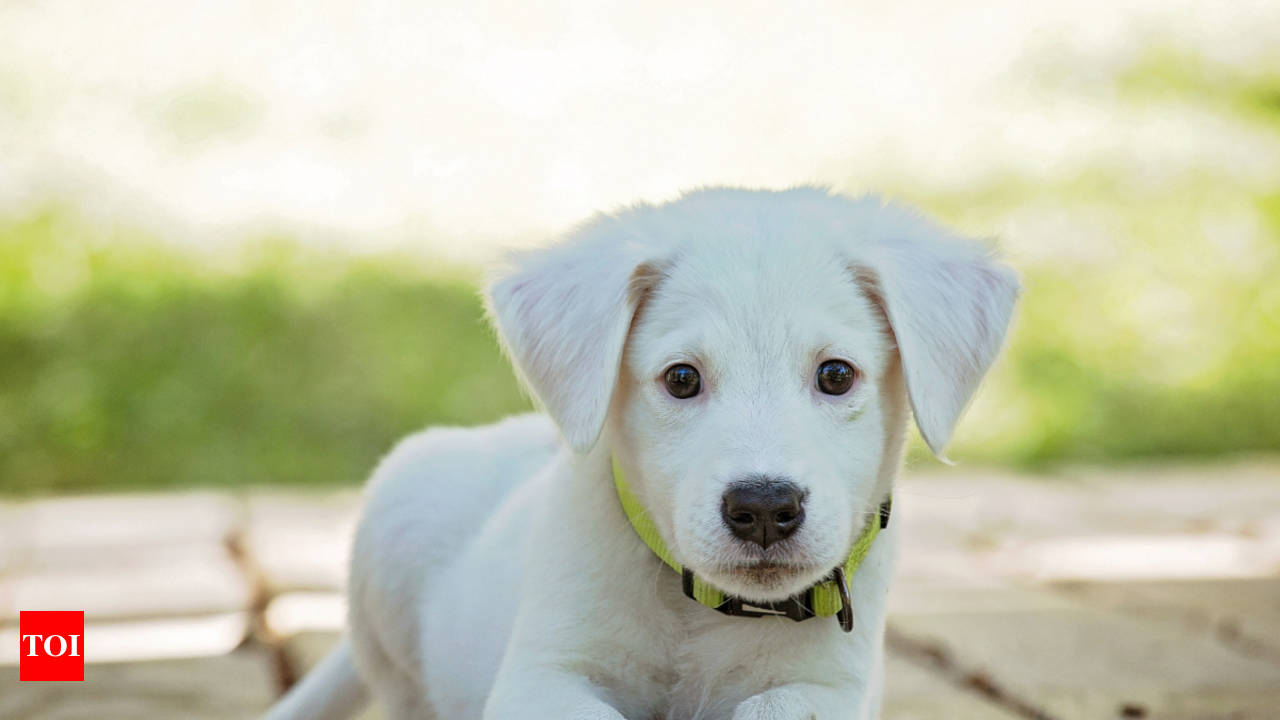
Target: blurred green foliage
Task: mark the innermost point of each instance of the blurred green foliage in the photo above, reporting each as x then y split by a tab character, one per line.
125	363
1151	320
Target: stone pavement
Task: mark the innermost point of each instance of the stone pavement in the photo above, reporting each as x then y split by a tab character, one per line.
1144	593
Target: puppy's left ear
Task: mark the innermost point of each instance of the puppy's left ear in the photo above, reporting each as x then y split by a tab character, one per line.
948	303
563	314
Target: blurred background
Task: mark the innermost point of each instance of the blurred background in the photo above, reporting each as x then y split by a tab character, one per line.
240	245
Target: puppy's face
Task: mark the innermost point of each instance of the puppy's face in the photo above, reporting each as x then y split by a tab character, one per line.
757	389
753	355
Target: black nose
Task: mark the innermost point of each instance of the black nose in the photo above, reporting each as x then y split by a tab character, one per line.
763	511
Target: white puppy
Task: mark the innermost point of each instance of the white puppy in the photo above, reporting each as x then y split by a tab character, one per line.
740	366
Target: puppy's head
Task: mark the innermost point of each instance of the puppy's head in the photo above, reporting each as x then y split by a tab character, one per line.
751	357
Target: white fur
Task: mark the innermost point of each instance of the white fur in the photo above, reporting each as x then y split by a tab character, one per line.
494	574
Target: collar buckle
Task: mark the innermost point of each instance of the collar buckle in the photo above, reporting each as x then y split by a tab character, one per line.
797	607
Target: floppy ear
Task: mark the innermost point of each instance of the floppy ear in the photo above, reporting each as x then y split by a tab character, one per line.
948	304
563	314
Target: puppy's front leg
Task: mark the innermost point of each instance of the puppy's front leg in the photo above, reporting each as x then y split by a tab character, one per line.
801	701
547	694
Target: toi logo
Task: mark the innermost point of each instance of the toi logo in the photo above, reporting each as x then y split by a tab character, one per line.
50	645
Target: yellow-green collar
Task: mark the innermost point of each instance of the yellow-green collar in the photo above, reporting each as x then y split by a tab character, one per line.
829	597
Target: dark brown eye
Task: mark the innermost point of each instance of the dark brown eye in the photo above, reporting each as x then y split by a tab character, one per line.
835	377
683	381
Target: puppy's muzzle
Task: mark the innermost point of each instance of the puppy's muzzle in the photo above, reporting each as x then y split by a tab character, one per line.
763	510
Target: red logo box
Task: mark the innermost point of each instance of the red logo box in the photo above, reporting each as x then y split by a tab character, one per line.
50	645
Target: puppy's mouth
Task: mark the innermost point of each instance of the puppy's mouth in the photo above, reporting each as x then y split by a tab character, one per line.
765	580
767	574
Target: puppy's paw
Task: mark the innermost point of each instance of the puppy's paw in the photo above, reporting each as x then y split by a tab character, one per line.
776	704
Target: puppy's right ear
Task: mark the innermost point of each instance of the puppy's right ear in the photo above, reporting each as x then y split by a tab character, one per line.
563	314
948	303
